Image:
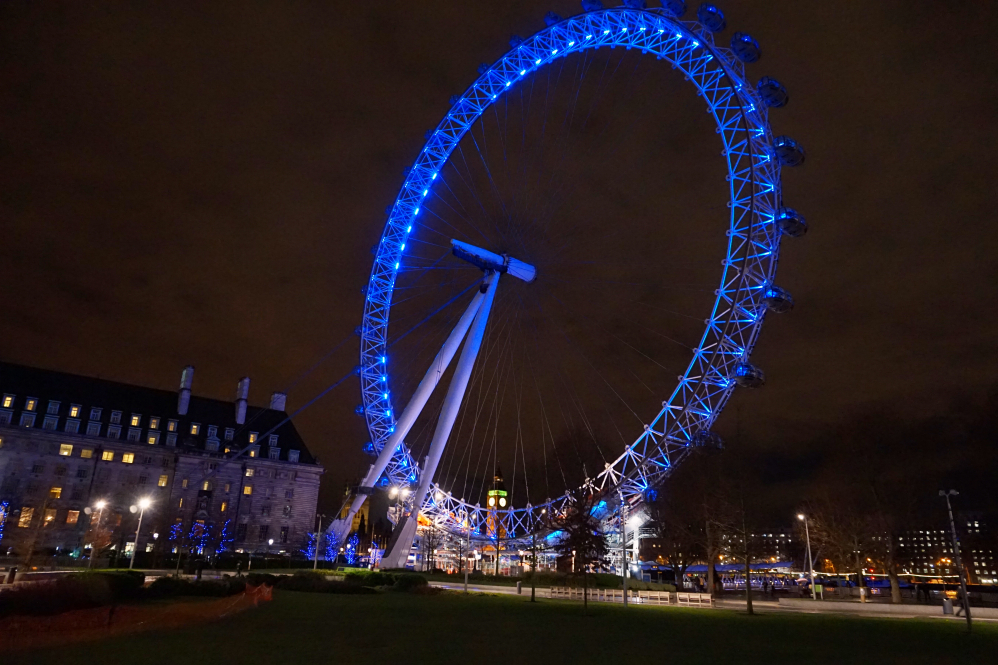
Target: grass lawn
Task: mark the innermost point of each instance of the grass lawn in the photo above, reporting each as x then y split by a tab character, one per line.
452	628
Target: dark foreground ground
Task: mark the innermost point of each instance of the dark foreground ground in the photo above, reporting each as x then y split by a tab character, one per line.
334	629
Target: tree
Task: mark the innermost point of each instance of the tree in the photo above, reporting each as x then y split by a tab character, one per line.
581	536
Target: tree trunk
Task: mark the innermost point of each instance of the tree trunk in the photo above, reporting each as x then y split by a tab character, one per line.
748	580
585	591
895	587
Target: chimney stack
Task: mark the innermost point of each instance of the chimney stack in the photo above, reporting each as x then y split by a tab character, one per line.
186	381
278	401
242	394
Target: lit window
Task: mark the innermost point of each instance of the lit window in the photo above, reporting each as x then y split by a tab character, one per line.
53	408
253	437
183	483
55	493
222	508
49	516
162	481
206	486
247	490
154	423
136	420
107	456
1	442
254	451
65	450
249	473
229	433
87	453
153	438
8	401
24	521
72	516
116	417
30	404
74	411
195	428
181	504
128	458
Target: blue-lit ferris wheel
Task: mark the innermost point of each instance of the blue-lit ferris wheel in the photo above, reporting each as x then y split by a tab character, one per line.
500	239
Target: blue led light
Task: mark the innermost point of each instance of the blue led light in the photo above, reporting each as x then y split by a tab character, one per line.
402	247
383	359
425	192
386	395
537	61
415	212
522	72
409	229
388	413
433	177
397	265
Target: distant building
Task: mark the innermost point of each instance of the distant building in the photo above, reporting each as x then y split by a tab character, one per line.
930	552
68	442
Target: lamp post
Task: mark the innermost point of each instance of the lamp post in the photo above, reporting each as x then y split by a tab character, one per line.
810	563
956	551
140	508
318	535
100	514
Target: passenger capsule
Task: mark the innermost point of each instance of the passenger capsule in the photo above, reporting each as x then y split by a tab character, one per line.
635	4
551	18
369	449
777	300
773	93
791	223
515	41
359	409
708	440
591	5
482	68
788	151
749	376
711	17
745	47
674	8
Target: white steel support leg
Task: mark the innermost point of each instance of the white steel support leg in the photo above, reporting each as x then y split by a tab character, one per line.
339	528
402	542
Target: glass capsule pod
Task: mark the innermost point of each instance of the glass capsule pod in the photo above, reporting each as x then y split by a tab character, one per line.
748	376
674	8
711	17
774	94
777	300
745	47
788	151
709	440
791	222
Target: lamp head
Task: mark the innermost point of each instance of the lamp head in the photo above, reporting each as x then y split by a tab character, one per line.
800	516
145	502
100	504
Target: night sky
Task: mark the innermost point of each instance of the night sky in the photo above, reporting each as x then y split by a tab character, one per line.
202	182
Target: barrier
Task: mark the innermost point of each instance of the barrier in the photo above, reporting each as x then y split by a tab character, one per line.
685	599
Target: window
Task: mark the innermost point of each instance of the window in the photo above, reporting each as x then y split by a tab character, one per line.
107	456
265	511
253	436
206	486
65	450
153	438
37	468
240	532
72	516
87	453
1	442
195	428
95	413
5	417
254	451
293	456
183	483
24	521
50	422
143	480
49	516
162	481
229	433
274	453
248	490
224	506
211	446
171	440
284	534
8	401
128	458
171	426
72	426
154	423
82	473
212	432
30	404
113	431
289	494
116	417
60	470
74	411
134	434
93	429
181	503
250	472
287	510
136	420
264	530
55	493
228	487
27	420
53	407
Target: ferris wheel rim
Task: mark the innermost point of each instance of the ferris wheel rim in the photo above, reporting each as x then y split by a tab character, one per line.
690	48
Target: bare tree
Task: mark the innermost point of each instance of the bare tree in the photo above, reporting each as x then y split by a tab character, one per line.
582	537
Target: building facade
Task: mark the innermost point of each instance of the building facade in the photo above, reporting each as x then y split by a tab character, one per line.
77	453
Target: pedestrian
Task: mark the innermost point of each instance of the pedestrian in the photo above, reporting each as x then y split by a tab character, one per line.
200	567
239	568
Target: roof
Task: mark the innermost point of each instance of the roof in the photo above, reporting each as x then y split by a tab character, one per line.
71	389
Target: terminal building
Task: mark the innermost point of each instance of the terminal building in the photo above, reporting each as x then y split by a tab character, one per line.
76	453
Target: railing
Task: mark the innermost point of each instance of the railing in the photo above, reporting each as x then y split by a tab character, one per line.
682	598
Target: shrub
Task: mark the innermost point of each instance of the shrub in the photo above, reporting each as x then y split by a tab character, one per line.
409	582
73	592
166	587
372	578
316	583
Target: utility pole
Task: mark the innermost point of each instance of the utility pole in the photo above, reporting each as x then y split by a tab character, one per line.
956	551
810	563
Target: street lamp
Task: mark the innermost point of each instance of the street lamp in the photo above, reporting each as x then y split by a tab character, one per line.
100	513
140	508
956	552
318	535
810	563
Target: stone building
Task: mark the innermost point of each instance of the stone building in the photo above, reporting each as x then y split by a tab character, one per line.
218	475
